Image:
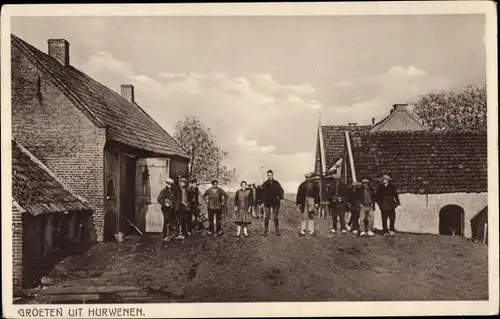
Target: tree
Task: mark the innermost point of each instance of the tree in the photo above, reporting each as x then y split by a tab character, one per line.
450	110
206	156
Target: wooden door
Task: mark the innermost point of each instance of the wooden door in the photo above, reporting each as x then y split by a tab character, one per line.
158	174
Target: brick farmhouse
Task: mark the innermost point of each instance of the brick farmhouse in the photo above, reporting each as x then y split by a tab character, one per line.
98	142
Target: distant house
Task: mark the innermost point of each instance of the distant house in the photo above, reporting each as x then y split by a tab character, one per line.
100	143
49	221
399	119
330	146
442	177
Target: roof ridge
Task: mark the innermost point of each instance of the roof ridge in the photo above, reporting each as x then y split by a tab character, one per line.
424	132
59	83
35	160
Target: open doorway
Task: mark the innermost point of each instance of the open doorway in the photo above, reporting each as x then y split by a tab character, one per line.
451	220
127	206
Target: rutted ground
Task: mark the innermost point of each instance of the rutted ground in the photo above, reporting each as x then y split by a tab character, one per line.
286	268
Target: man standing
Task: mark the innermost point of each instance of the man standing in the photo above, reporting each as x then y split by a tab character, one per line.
216	198
272	194
388	201
367	197
354	207
336	195
308	202
166	200
183	208
194	195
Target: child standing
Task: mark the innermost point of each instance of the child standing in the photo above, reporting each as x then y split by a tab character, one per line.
243	202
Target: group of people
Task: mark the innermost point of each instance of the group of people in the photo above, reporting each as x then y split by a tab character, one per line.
180	206
359	200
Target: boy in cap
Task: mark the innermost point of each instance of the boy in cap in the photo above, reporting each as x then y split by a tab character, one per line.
166	200
388	201
308	202
216	199
367	197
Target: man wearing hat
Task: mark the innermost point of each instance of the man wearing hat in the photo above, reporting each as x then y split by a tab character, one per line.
166	200
336	195
388	201
308	202
367	197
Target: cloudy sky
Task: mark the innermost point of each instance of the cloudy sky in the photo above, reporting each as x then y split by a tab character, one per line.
261	82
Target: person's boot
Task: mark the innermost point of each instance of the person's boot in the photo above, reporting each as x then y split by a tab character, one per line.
266	226
277	227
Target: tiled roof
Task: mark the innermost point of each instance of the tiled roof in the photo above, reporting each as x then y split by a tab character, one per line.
127	123
36	189
333	141
422	161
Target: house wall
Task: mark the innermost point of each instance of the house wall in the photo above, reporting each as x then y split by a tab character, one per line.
50	126
17	249
420	213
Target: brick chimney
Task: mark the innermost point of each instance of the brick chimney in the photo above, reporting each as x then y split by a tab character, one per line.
127	91
352	124
402	107
59	50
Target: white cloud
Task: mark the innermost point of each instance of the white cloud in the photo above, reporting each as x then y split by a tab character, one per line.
260	122
372	95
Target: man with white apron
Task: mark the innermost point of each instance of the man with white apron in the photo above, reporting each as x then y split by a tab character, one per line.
308	202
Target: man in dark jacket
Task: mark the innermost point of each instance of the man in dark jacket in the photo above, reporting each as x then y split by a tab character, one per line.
194	197
183	209
272	194
354	208
308	202
166	199
366	195
337	197
388	201
216	199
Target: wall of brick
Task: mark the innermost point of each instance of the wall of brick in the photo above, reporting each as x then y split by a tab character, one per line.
17	249
49	125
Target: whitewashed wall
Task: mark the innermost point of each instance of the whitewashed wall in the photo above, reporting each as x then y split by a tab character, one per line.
420	213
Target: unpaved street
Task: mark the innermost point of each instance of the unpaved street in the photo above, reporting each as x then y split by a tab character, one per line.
286	268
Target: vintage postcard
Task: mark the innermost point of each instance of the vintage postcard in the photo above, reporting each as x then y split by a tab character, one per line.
249	160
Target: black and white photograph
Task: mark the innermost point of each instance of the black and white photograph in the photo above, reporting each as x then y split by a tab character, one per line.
249	159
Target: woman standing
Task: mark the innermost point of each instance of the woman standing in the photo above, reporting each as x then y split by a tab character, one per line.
243	202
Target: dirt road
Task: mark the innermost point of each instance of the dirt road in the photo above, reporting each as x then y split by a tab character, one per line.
287	268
